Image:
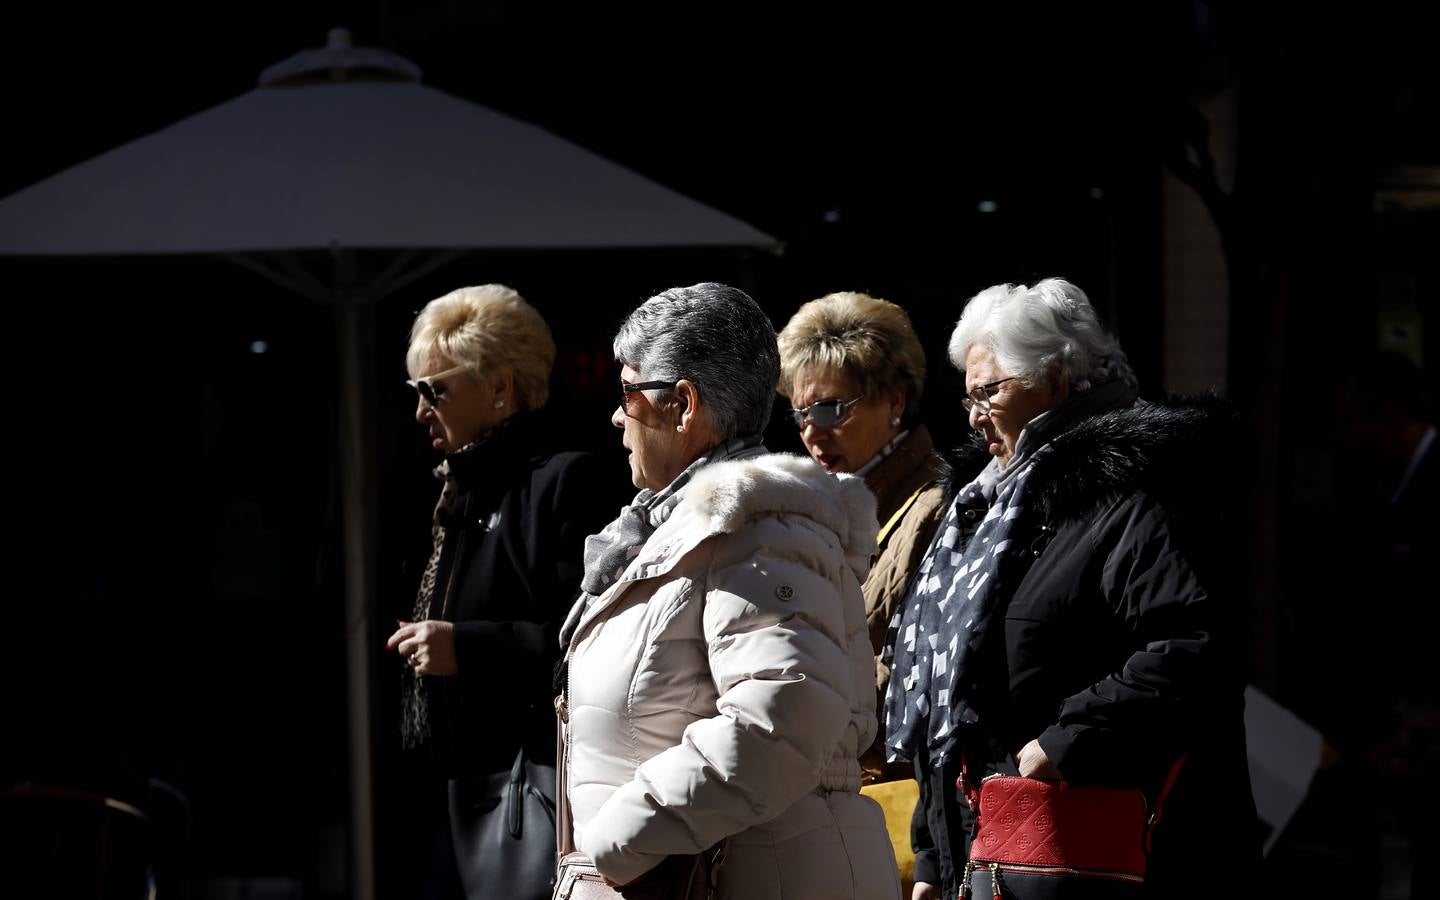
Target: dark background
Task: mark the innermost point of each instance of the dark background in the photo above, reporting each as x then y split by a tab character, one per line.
174	594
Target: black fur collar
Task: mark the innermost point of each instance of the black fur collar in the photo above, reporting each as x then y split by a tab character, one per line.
1160	448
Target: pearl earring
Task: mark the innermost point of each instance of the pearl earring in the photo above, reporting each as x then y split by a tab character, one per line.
680	428
894	420
499	404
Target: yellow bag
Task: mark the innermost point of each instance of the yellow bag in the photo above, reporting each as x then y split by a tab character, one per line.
898	799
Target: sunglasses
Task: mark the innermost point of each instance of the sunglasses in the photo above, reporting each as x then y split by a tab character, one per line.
627	391
824	413
427	388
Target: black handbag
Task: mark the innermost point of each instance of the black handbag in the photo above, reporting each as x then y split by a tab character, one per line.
503	829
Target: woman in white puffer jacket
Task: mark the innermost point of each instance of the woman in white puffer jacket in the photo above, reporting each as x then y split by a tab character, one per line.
719	681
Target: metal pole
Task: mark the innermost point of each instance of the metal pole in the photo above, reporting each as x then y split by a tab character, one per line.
355	321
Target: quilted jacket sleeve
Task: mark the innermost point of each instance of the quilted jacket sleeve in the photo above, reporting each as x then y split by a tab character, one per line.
1146	712
788	657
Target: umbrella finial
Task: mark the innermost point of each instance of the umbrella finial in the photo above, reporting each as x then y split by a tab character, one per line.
340	60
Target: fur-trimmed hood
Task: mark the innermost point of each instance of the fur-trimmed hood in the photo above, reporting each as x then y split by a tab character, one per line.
728	494
1161	448
725	496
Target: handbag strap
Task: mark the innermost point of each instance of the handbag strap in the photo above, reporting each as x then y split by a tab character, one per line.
969	790
1154	819
515	795
899	514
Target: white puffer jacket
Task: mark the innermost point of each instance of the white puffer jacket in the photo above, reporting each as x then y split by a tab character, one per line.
724	686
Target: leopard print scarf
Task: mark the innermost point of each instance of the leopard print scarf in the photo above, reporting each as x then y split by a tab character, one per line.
415	700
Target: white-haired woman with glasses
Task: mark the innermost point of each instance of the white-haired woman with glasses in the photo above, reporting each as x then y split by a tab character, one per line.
719	682
507	538
1064	628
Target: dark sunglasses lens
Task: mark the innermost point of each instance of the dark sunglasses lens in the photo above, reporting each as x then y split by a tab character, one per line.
826	414
424	389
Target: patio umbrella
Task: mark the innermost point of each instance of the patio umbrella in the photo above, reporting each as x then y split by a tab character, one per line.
342	149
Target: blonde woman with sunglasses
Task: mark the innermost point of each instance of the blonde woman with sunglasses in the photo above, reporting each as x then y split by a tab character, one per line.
478	644
854	373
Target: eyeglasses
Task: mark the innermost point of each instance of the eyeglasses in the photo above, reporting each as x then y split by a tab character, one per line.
628	390
981	395
824	413
429	390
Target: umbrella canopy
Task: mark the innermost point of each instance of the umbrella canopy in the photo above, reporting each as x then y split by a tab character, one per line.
342	149
373	160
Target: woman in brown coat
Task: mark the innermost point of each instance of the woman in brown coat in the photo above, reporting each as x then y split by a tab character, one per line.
854	373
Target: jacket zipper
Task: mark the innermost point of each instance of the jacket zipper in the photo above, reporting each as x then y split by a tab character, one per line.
562	711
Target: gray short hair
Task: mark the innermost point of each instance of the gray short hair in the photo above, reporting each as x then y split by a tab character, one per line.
1032	329
716	337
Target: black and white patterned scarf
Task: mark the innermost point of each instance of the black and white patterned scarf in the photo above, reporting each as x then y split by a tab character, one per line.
608	553
947	612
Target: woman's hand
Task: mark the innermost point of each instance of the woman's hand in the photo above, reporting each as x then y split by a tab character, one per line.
1035	764
925	891
428	647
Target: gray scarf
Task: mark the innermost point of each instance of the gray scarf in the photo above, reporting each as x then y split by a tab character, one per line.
609	552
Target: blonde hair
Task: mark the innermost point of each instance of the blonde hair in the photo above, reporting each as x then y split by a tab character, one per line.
869	339
489	327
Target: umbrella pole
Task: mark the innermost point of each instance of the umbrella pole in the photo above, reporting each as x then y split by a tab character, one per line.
355	321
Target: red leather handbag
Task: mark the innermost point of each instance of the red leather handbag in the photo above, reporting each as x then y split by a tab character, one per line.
1030	833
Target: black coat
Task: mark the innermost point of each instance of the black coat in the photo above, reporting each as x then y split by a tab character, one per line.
507	575
1115	652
